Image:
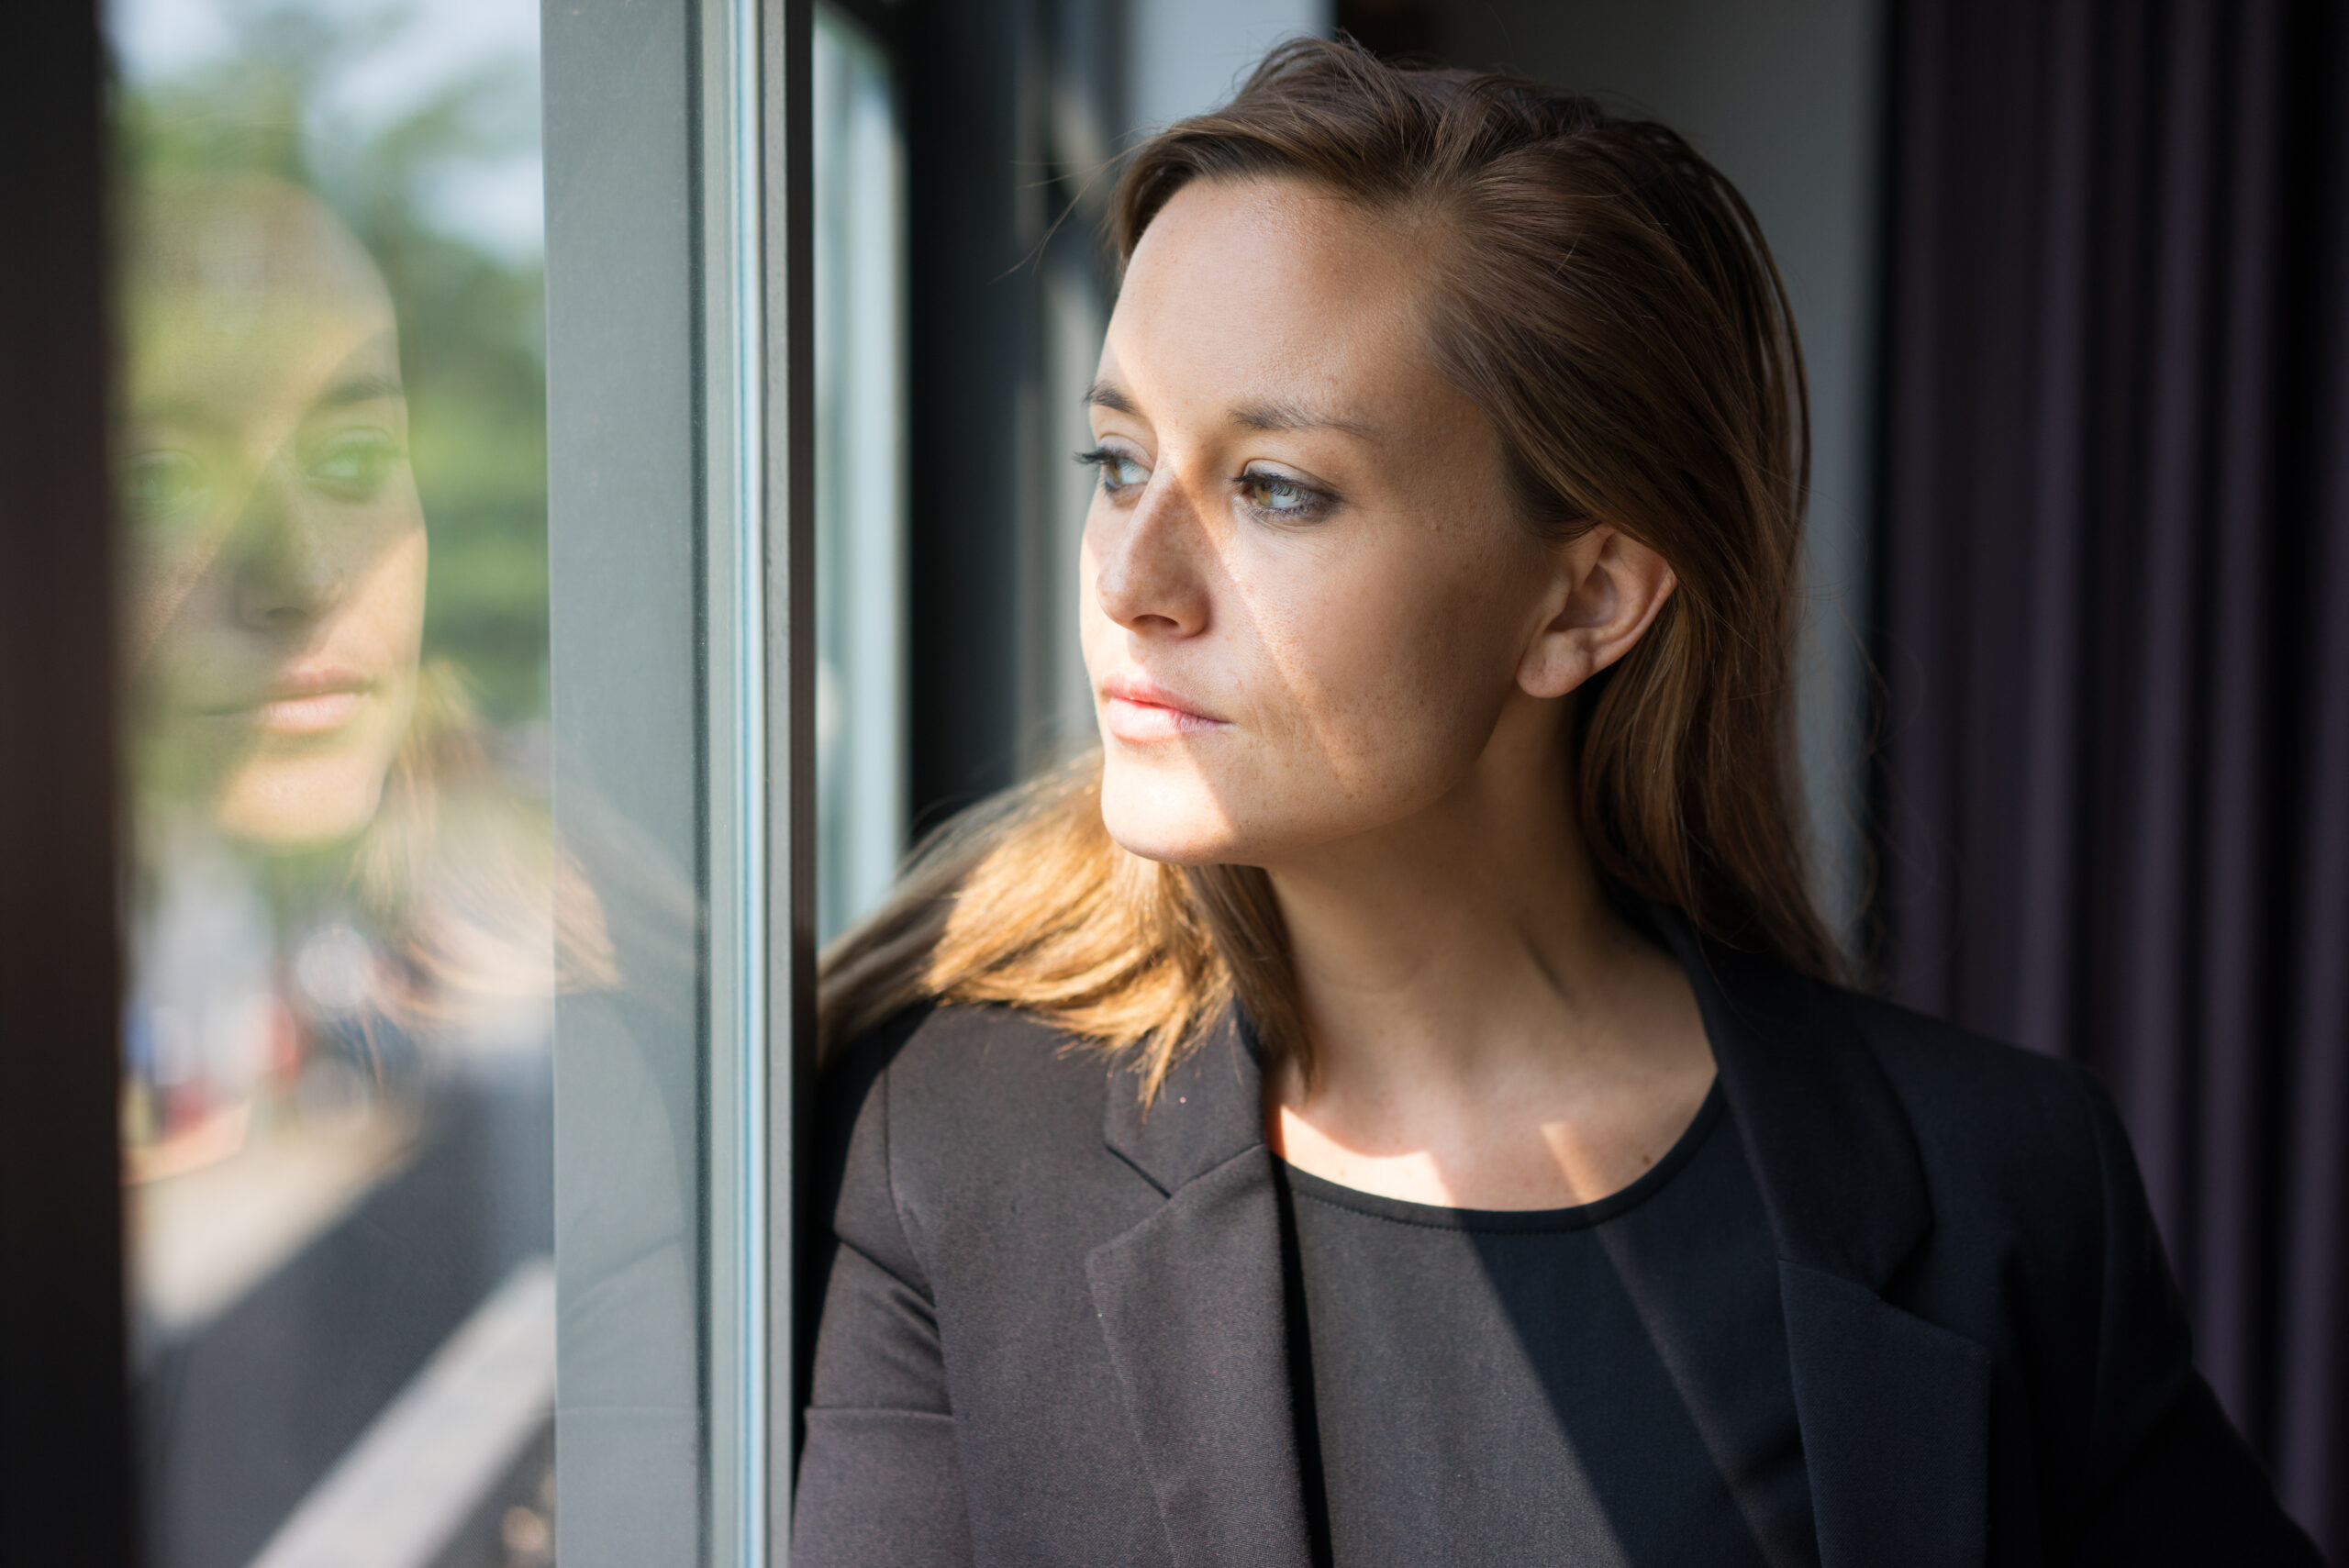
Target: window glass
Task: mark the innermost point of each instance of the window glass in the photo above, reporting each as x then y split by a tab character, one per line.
336	1116
860	491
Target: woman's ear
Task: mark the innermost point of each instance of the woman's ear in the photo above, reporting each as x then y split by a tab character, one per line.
1609	588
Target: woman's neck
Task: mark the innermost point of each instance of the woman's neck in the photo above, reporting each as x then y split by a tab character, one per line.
1487	1031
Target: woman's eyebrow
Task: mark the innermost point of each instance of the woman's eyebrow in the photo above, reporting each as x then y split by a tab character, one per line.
369	374
1247	415
1102	395
360	388
1291	417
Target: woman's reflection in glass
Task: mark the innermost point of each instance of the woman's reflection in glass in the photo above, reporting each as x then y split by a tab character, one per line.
278	610
294	748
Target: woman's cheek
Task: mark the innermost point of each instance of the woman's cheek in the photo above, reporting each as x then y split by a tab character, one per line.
1388	683
399	611
380	619
163	583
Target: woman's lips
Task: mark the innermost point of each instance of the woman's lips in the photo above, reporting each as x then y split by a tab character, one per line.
1140	712
313	702
313	714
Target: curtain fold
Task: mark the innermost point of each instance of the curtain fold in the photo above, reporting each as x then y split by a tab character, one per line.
2112	793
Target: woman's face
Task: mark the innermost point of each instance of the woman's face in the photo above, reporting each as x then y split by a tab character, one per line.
277	544
1309	599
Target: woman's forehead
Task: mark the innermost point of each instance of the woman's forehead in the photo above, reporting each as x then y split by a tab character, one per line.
246	295
249	239
1275	299
192	361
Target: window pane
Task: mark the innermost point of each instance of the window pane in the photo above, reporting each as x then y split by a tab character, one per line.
338	1111
860	491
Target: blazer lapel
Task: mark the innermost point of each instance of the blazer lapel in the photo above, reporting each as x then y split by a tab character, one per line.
1896	1426
1192	1304
1894	1410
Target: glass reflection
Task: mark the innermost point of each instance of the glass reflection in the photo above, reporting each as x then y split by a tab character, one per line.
278	606
336	1116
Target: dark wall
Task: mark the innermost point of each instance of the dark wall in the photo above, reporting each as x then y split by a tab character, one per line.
1005	104
972	321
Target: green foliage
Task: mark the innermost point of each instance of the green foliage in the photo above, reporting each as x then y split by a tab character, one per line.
471	321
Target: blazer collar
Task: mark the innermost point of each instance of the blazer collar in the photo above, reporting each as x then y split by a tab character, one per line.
1192	1305
1830	1147
1894	1409
1210	1108
1193	1308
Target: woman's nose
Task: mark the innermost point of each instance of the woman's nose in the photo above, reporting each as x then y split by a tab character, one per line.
1149	579
288	571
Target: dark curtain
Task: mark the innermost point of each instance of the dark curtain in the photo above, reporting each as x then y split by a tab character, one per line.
2113	622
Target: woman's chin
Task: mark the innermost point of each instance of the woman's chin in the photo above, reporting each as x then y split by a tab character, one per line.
1170	824
1154	842
296	808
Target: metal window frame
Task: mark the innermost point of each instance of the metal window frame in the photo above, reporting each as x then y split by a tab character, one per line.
680	440
65	1483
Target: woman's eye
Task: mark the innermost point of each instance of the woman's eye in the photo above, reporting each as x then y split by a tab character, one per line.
1276	495
163	487
1119	471
354	466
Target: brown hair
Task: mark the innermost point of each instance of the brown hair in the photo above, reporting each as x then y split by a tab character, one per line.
1605	297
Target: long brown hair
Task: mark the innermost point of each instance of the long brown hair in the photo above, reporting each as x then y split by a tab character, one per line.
1605	297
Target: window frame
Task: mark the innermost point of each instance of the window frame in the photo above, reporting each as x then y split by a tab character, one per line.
680	435
679	320
65	1481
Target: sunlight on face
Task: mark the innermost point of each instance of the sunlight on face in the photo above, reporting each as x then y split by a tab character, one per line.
277	545
1306	594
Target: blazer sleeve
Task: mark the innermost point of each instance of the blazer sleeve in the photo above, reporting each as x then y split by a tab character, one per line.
879	1483
2169	1480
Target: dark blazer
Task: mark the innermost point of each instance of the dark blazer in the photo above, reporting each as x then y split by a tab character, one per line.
1052	1328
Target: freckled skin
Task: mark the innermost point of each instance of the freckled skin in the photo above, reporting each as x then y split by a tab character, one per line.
1304	532
1362	659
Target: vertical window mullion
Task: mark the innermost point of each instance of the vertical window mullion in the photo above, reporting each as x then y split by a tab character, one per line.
755	547
65	1489
788	280
679	513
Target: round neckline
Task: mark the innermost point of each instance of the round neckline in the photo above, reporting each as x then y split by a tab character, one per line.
1576	1217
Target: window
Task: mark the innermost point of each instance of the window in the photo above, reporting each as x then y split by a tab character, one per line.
343	937
859	468
471	861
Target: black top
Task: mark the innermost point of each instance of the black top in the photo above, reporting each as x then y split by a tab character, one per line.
1052	1326
1606	1383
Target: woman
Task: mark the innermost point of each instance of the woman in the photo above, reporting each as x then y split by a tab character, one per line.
1393	1106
